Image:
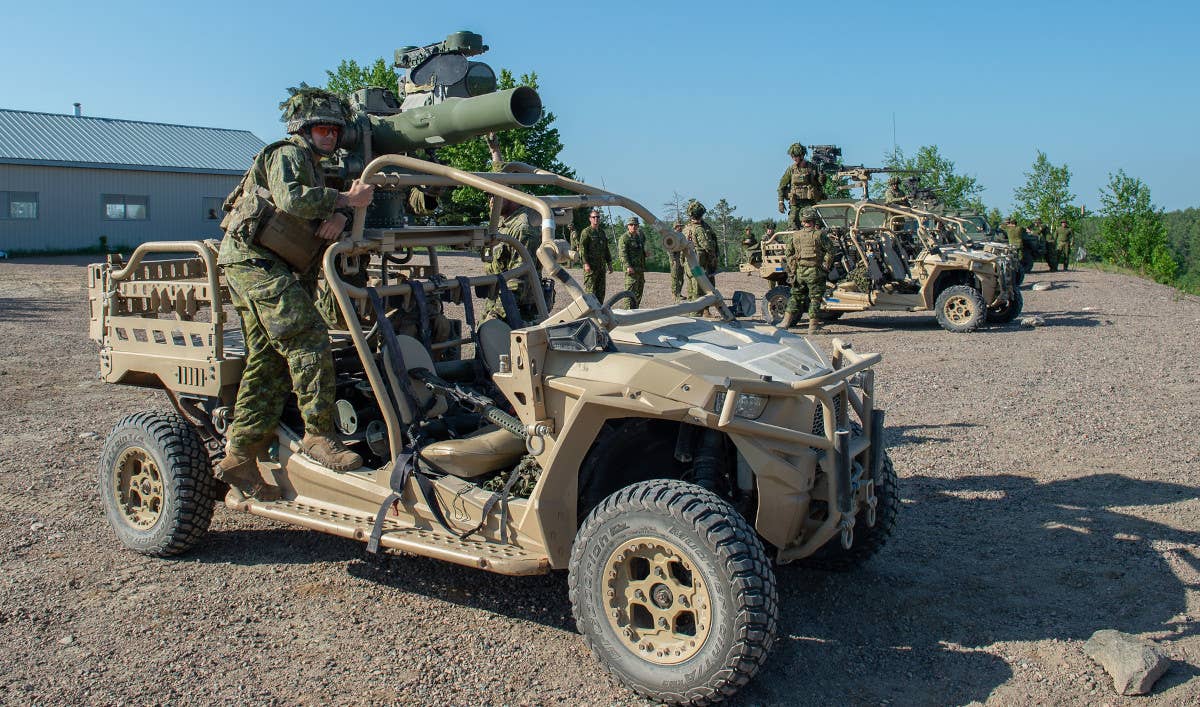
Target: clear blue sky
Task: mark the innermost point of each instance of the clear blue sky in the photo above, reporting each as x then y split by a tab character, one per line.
699	98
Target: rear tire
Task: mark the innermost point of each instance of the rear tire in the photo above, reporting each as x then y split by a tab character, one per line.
960	309
666	548
156	483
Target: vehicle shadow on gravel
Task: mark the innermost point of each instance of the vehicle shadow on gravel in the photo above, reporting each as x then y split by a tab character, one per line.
13	309
1038	562
918	434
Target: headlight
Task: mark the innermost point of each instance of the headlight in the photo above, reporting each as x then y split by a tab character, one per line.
581	336
748	406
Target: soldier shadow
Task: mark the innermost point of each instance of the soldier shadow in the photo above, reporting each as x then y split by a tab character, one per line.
1038	562
26	308
884	323
1075	319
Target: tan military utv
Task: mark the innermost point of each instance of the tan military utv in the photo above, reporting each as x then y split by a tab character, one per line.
666	461
971	231
888	258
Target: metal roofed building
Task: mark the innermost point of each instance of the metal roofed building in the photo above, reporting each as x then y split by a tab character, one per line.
67	180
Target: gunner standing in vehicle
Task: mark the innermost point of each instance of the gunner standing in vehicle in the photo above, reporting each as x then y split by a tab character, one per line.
801	184
287	340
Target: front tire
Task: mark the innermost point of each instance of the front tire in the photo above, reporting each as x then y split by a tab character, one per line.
156	483
775	303
960	309
1009	312
669	582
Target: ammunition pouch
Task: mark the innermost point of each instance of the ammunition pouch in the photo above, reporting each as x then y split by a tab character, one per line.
293	239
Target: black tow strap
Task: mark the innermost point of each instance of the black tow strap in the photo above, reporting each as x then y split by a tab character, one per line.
422	302
392	344
405	467
464	289
512	314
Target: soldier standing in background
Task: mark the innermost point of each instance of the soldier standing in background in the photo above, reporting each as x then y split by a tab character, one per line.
597	258
894	195
677	266
808	254
287	341
801	184
518	225
769	236
704	240
1064	242
1014	233
632	248
1041	233
751	252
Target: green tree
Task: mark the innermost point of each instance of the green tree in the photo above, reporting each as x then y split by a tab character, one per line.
1133	233
722	214
1046	193
350	77
953	190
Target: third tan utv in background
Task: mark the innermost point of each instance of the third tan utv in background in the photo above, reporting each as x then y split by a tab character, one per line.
666	461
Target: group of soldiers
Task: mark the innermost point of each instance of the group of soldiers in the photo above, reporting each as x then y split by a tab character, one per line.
592	248
1056	244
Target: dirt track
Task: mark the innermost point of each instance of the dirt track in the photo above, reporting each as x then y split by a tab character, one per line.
1049	479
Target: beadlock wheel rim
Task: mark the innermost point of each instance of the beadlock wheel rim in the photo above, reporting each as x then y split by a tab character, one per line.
656	602
138	487
959	309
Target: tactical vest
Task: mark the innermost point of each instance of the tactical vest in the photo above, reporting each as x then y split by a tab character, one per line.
252	216
804	184
809	249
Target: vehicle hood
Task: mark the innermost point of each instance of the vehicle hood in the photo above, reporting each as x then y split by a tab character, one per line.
758	350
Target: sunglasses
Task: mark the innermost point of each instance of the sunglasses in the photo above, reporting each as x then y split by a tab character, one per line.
326	131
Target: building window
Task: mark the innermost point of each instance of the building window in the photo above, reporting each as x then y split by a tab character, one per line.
123	207
210	208
18	205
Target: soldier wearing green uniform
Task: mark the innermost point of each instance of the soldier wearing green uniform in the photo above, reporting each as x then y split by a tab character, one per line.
704	239
518	225
808	254
677	266
1064	241
801	184
597	258
632	249
1014	233
1041	233
751	250
894	195
287	342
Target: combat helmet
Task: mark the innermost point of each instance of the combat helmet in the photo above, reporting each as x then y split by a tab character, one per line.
797	150
808	213
894	181
695	209
307	106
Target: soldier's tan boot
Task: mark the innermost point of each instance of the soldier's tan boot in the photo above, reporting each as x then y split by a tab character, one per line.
789	320
330	452
814	327
239	469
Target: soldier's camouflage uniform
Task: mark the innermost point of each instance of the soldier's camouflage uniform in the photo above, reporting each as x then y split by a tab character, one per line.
1014	233
894	195
704	240
1042	233
677	268
801	186
505	257
807	254
593	248
1064	240
632	248
751	250
287	342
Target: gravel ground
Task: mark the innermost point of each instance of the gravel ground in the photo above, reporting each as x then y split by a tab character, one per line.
1049	479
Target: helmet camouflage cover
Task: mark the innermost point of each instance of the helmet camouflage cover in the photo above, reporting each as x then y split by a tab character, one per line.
307	106
695	209
797	150
894	180
808	213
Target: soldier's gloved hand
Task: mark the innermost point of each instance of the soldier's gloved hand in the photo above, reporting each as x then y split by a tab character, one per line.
358	196
332	227
781	209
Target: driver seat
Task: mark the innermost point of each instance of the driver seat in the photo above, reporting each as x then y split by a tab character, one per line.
494	341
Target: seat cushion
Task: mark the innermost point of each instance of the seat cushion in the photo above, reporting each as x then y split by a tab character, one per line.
490	449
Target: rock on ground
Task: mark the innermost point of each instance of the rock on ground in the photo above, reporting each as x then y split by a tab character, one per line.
1134	664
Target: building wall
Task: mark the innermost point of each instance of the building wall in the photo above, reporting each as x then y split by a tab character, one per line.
71	211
